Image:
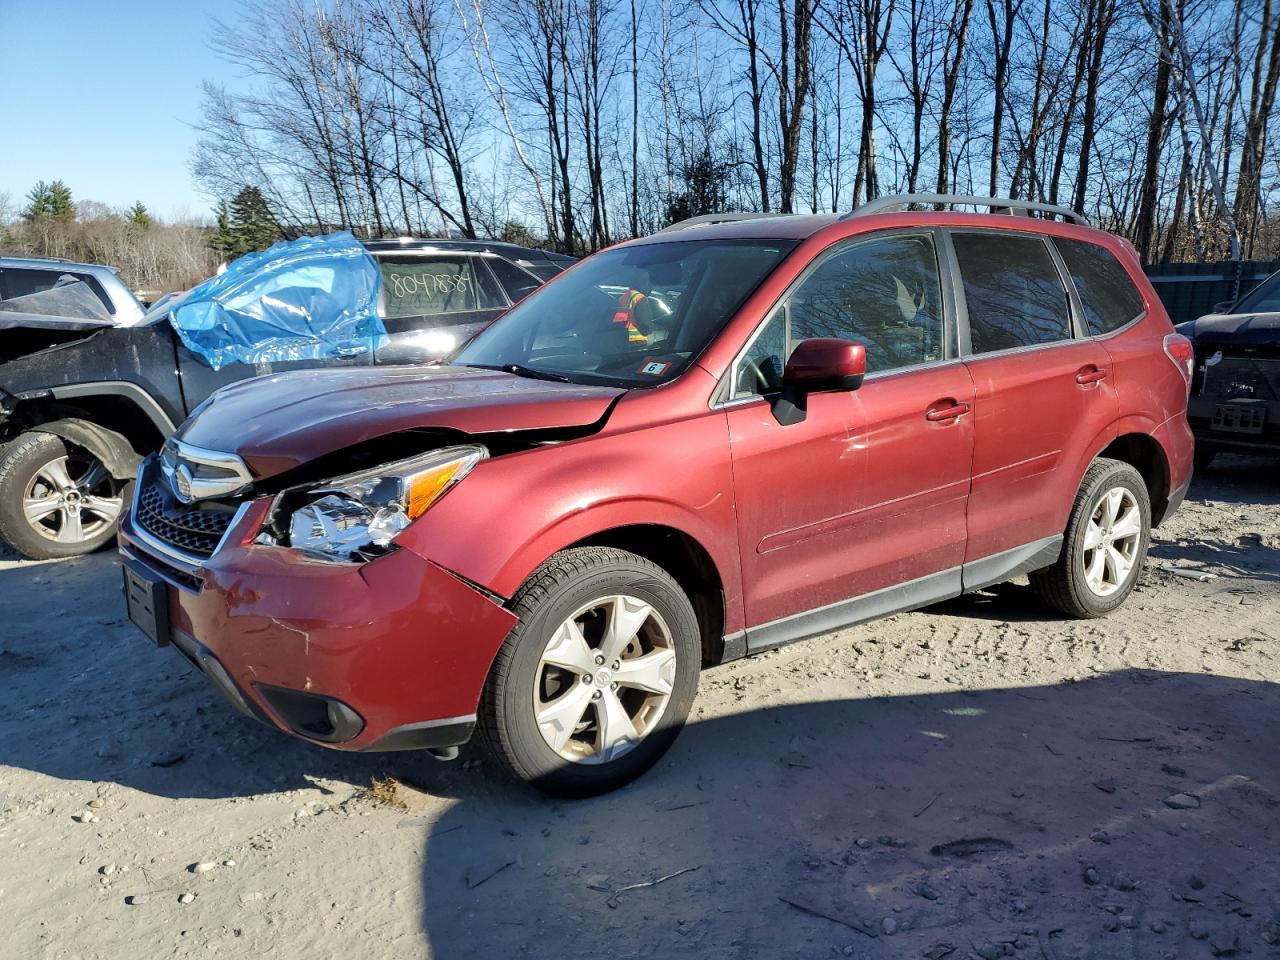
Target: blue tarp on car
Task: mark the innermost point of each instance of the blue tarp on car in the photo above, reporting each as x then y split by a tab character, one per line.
313	298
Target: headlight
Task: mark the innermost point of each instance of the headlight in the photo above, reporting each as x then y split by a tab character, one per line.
356	517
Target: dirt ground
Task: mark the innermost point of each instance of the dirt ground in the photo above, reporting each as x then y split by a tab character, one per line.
978	779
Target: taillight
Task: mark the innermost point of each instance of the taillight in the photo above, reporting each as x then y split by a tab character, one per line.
1183	354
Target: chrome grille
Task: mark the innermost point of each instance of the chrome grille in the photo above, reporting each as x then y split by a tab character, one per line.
191	530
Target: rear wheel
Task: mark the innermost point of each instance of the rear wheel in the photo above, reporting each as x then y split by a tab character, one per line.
56	500
596	679
1106	542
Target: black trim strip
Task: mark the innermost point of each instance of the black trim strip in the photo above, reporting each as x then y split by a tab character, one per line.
900	598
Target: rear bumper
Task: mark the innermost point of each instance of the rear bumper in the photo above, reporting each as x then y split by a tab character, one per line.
387	655
1200	411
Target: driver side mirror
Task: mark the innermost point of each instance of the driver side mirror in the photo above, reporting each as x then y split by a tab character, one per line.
824	364
1223	306
820	365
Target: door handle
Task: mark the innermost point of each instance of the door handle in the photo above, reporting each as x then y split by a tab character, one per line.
947	409
1090	374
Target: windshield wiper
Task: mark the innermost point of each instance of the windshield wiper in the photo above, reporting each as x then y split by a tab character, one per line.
520	370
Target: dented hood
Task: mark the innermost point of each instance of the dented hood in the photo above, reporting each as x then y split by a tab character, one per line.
279	422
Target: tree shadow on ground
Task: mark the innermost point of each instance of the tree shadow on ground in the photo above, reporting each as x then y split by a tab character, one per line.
1014	822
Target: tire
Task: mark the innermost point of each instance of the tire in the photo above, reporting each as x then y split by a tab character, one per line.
581	585
1067	585
1204	457
29	467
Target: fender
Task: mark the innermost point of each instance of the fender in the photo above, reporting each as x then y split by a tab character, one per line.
585	488
145	402
601	518
1122	426
115	452
1130	423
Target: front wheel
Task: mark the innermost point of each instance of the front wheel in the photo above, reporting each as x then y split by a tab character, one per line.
1106	542
56	500
596	679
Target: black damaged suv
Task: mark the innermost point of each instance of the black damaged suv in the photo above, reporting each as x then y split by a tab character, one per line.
1235	395
86	393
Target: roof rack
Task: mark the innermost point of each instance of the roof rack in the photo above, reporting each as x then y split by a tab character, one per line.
707	219
996	205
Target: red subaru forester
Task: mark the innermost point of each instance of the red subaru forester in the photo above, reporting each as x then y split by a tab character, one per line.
685	449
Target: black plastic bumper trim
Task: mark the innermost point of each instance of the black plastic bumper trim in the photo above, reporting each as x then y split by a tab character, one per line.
427	735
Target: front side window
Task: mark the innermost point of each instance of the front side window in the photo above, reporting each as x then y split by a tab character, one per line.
1107	295
882	292
630	316
417	286
1013	291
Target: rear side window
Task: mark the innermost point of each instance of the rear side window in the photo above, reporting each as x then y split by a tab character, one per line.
1013	291
416	286
20	282
1108	296
519	283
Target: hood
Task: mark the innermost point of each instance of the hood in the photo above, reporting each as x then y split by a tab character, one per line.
279	422
1243	329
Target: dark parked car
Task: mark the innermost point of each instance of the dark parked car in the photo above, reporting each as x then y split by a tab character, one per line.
691	447
1235	396
82	402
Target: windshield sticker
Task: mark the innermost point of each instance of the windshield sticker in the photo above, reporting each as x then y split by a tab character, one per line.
654	368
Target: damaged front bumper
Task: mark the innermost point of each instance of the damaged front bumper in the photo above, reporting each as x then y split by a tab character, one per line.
387	655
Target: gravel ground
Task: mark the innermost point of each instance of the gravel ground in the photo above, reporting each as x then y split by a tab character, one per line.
978	779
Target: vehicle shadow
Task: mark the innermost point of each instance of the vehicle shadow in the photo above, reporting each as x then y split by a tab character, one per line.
1128	815
87	697
1233	478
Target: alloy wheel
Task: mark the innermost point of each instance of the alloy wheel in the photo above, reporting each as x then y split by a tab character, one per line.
72	499
604	679
1111	541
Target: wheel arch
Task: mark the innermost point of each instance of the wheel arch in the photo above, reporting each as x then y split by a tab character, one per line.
688	562
111	447
1132	440
119	408
1144	453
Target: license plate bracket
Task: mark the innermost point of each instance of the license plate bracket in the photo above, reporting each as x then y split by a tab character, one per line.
147	599
1239	417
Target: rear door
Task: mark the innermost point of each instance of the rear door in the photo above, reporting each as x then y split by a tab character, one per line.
1044	393
868	491
433	302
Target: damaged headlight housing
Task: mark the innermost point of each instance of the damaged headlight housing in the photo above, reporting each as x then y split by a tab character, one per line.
355	518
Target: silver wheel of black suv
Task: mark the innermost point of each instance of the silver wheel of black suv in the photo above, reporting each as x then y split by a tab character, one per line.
1106	542
56	500
596	679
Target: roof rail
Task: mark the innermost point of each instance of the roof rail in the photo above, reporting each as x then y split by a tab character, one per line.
992	204
707	219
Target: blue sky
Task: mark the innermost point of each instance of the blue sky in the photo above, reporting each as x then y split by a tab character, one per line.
103	95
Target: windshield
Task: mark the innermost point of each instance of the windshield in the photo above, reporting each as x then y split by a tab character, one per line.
632	316
1265	298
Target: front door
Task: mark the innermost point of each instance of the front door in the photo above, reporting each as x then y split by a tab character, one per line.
864	499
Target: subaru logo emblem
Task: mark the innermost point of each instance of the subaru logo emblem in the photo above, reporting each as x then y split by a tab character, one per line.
182	483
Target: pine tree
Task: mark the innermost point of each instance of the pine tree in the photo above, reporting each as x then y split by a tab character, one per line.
49	200
223	240
139	216
252	225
